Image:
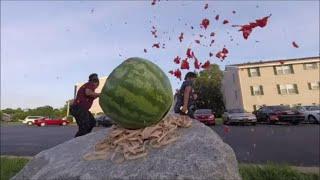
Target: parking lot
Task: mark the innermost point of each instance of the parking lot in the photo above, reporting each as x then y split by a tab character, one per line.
295	145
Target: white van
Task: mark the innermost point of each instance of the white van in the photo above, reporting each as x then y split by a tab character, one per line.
30	119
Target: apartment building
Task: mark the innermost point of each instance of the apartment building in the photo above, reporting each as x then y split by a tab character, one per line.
95	108
287	82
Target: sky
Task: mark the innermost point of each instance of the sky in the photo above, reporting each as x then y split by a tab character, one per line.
49	46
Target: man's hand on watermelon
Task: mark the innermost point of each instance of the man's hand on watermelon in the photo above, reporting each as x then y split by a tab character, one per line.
186	97
184	109
91	93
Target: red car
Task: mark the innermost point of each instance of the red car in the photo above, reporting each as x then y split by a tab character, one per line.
48	121
205	116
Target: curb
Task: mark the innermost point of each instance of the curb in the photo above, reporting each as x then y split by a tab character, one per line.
11	157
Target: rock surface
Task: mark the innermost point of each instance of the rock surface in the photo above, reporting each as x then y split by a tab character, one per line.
199	153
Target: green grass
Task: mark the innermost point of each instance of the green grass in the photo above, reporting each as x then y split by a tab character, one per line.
219	121
273	172
11	166
10	123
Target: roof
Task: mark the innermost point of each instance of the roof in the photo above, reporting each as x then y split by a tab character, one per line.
273	61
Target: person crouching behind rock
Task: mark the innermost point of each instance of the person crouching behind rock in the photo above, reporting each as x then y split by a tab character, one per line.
185	96
83	102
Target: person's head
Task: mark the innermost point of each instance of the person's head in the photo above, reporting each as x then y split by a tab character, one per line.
190	76
93	78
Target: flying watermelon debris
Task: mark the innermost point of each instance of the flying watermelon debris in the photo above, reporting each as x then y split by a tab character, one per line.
177	60
177	73
226	129
212	41
154	2
247	28
185	64
206	6
154	33
294	44
196	63
205	23
206	65
157	45
181	37
217	17
190	53
222	54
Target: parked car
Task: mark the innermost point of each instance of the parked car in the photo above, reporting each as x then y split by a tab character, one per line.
48	121
103	120
205	116
274	114
29	120
238	116
311	113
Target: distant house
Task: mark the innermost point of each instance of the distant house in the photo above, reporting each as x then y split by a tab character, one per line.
288	82
5	117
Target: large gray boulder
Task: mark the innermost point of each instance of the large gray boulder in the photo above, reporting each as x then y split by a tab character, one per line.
199	153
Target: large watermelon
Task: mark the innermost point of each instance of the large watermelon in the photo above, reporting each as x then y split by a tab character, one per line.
136	94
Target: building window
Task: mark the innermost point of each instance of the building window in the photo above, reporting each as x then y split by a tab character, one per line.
309	66
314	85
256	90
284	69
287	89
253	72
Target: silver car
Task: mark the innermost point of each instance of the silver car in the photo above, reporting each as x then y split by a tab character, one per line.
311	113
238	116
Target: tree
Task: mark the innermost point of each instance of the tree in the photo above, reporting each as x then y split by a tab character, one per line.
19	114
208	86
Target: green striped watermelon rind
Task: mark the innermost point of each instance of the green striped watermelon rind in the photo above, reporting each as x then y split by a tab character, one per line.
136	94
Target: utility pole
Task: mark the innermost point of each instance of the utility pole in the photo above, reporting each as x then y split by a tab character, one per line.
68	108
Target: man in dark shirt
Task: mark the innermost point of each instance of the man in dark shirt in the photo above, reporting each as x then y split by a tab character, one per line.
186	96
83	102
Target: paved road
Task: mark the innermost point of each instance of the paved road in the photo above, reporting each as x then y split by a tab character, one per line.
295	145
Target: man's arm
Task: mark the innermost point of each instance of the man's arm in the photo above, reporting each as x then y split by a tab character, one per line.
186	97
91	93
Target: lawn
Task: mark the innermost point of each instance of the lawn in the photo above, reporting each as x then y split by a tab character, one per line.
12	165
10	123
219	121
273	172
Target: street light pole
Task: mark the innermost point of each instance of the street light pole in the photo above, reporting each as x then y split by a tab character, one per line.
68	107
